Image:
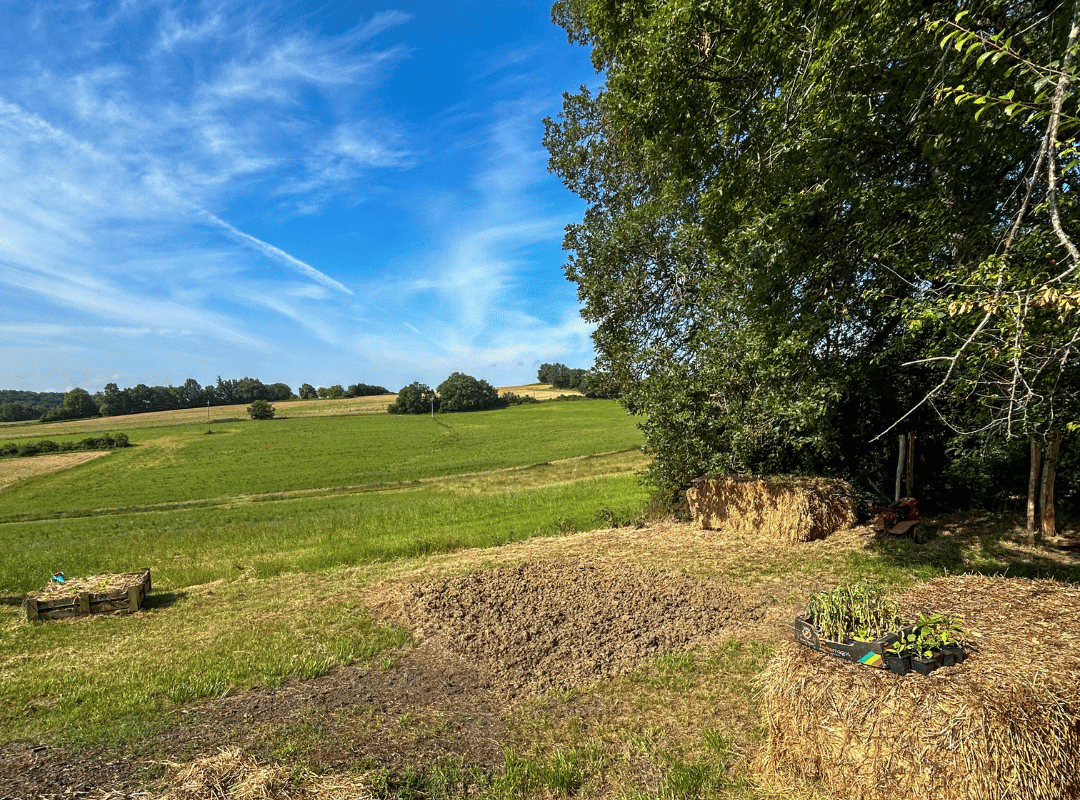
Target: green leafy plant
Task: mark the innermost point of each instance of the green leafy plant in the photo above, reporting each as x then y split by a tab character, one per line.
857	610
929	635
935	631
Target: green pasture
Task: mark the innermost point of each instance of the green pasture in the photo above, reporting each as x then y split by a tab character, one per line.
259	537
173	464
315	493
192	546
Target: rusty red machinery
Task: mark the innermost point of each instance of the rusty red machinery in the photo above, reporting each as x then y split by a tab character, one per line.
899	519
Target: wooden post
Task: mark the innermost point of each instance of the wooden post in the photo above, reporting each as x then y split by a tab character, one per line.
1033	491
32	610
901	466
1049	520
910	479
84	602
135	598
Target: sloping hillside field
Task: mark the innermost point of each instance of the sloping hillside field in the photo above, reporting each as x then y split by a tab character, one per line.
471	606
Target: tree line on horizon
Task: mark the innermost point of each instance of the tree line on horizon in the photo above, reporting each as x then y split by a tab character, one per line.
78	403
460	392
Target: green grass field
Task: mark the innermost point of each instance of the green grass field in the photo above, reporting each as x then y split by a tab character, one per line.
313	493
265	505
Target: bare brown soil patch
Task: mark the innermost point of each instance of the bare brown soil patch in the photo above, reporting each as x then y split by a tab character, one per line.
14	470
555	624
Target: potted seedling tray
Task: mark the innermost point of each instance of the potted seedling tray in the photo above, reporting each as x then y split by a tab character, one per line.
868	653
855	622
97	594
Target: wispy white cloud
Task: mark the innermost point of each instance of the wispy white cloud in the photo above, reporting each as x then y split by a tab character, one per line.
212	179
276	253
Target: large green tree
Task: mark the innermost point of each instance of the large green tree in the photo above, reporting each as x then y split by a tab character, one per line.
461	392
774	190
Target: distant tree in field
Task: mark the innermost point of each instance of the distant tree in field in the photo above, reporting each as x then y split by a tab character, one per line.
307	392
260	409
365	390
461	392
416	398
561	376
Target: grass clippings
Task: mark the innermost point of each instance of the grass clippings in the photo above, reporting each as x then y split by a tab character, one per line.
106	583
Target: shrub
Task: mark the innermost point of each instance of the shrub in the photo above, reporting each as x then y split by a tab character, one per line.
260	409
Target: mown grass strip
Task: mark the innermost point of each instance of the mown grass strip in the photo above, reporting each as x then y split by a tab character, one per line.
196	545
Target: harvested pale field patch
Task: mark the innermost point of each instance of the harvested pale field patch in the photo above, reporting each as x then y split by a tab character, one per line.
541	391
15	470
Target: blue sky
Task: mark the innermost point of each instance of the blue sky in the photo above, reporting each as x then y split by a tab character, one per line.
322	192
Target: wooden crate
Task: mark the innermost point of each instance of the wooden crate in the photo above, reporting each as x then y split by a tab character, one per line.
128	599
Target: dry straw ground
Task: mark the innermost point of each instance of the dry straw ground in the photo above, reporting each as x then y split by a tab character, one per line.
1004	723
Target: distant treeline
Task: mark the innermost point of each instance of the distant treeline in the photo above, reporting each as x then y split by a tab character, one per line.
588	382
112	401
17	405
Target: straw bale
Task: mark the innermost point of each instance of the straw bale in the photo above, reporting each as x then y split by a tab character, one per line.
1004	723
788	509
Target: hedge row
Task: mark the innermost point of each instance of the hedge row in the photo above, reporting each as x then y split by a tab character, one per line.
109	441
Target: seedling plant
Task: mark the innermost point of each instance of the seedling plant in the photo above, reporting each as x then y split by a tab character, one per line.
856	611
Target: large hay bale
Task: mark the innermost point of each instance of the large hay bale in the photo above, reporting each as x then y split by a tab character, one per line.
789	509
1005	723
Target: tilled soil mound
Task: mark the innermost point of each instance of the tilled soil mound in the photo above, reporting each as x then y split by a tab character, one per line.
546	625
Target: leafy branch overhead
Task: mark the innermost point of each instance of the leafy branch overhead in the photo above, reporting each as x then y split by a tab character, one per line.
801	231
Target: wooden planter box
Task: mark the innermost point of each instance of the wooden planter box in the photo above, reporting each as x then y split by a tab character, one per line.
129	598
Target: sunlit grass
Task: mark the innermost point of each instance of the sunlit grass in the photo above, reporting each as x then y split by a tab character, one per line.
192	546
84	678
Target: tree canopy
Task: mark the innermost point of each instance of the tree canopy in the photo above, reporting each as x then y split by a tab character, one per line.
461	392
416	398
792	225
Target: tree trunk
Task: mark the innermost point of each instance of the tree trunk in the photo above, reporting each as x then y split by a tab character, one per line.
900	466
1033	491
910	479
1049	521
